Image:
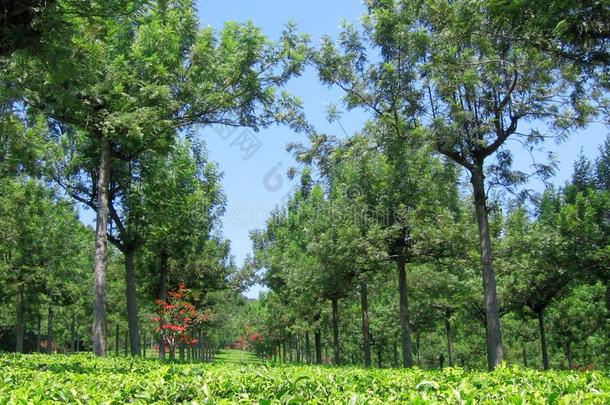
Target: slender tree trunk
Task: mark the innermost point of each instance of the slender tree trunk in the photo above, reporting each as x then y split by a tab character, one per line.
77	337
607	296
307	348
395	354
543	344
132	308
418	348
495	353
569	355
116	340
163	274
449	342
144	344
98	332
38	332
366	327
524	356
336	347
50	330
318	338
298	348
73	333
20	327
407	357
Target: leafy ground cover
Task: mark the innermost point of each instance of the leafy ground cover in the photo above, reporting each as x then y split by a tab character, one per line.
85	379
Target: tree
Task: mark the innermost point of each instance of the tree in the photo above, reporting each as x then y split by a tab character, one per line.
111	82
536	265
477	85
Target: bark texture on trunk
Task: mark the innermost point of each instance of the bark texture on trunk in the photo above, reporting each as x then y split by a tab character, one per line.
98	330
20	326
495	353
407	357
336	347
50	330
543	344
132	308
366	327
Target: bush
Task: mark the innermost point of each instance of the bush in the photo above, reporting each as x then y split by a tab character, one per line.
84	379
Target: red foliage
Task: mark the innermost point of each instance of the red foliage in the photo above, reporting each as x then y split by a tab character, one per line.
175	317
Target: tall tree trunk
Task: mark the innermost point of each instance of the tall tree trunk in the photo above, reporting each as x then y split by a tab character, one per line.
20	326
132	308
298	348
543	344
307	348
98	332
38	332
495	353
407	357
449	343
318	338
318	345
336	347
366	327
284	351
50	330
163	274
73	333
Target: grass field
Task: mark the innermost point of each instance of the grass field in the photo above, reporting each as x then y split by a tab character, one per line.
238	378
235	356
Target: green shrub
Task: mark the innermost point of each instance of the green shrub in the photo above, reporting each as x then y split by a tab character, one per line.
85	379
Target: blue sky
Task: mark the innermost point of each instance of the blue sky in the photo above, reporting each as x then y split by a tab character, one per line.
254	186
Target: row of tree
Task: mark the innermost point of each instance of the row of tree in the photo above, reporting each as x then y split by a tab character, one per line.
99	102
447	85
99	106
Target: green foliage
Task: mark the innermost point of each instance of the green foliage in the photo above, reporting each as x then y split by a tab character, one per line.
84	379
